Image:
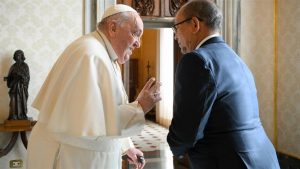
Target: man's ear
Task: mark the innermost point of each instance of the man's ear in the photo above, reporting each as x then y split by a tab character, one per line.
196	24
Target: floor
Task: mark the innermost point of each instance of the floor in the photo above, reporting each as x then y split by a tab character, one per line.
288	162
152	141
152	138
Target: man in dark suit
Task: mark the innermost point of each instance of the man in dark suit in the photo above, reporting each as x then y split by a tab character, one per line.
216	116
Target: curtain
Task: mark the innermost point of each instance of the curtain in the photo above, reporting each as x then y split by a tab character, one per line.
231	22
165	59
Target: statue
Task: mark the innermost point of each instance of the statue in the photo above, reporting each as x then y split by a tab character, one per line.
17	82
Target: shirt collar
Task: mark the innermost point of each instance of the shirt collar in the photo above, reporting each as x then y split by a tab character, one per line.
205	39
111	52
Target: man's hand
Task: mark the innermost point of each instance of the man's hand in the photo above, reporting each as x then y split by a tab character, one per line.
136	157
149	95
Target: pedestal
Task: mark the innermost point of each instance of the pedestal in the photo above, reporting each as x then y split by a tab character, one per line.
16	127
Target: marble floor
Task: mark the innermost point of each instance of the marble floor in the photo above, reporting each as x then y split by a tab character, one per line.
152	141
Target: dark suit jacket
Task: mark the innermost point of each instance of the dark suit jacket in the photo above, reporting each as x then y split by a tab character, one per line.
216	114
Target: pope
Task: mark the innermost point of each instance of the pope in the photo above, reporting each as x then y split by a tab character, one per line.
85	118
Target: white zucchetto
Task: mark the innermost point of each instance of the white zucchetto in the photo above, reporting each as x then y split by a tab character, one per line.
118	8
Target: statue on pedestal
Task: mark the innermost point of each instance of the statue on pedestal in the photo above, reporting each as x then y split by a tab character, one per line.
17	82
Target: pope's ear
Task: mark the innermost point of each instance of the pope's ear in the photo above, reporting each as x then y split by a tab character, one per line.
112	27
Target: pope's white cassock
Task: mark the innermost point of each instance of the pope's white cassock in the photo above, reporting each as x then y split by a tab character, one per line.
85	118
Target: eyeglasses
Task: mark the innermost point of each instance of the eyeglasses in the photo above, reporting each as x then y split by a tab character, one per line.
175	28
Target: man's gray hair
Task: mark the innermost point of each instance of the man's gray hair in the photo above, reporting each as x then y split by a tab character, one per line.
204	10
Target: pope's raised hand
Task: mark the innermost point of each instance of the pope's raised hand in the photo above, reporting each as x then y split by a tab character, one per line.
149	95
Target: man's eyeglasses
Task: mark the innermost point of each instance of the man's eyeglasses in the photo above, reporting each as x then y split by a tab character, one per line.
175	28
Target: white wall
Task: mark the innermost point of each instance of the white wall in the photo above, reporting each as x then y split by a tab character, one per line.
275	65
289	77
42	29
257	49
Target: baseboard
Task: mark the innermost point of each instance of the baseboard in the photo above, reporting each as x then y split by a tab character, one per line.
287	161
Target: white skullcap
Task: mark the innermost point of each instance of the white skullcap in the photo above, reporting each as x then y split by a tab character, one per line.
118	8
